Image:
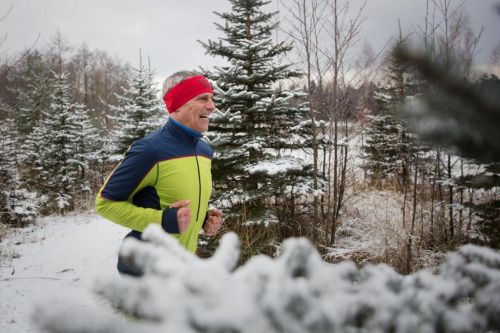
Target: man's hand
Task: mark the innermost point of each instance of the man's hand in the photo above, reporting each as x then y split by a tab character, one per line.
183	214
214	222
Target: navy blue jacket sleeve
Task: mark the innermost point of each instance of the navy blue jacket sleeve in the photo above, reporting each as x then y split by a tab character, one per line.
128	175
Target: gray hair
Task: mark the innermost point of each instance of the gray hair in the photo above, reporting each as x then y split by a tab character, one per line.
175	78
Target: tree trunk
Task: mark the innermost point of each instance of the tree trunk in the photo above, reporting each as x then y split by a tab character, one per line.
450	200
433	198
410	239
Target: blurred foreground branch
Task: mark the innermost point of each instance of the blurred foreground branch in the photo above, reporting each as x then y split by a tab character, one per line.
295	292
453	111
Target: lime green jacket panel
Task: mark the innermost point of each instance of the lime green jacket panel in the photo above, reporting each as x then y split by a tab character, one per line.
178	180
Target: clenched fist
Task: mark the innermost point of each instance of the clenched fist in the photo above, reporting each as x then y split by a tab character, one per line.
214	222
183	214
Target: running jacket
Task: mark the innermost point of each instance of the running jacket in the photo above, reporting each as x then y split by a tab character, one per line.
169	165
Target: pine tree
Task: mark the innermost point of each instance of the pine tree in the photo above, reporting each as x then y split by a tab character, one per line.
7	166
257	125
18	206
381	149
33	157
61	160
140	112
58	167
390	146
31	86
30	93
87	145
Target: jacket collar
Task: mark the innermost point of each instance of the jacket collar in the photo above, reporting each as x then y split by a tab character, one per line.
183	131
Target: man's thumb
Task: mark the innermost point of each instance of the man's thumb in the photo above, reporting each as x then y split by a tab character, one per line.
180	204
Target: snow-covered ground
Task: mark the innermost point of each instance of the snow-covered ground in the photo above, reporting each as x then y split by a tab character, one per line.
53	266
58	256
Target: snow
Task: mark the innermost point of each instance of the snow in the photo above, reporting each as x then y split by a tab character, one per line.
372	230
281	165
295	292
58	256
52	273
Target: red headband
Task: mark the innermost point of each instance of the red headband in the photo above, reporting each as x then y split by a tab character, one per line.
185	90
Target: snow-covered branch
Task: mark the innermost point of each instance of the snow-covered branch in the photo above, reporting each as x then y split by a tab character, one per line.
294	292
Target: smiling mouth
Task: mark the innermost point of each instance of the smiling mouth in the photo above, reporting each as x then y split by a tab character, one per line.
204	117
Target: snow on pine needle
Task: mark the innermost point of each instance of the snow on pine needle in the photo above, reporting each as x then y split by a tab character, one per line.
294	292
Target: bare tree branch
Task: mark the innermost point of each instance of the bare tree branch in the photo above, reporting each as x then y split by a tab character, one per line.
7	13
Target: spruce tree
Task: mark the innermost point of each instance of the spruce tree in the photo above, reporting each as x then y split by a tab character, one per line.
30	82
257	125
31	87
381	148
18	206
7	166
87	144
60	147
390	147
140	111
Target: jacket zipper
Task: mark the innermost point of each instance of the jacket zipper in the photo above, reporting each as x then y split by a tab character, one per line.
199	182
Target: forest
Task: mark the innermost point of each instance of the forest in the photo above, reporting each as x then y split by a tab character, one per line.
389	156
300	150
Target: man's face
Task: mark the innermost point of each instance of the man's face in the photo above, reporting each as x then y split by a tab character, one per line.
194	114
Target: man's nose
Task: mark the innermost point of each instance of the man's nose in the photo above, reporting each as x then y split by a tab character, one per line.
210	105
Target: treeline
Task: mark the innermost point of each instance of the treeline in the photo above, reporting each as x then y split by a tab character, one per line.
351	130
441	206
355	123
63	113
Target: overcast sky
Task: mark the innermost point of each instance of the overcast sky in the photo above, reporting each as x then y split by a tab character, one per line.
168	30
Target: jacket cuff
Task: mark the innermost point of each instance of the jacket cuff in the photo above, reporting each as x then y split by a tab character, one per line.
169	220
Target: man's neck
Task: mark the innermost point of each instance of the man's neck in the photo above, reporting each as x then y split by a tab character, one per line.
191	132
